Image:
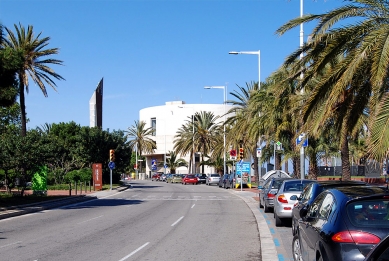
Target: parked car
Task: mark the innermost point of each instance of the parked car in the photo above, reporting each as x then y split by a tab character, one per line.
342	224
380	252
202	178
268	191
163	177
311	191
169	178
222	181
176	178
155	177
212	179
230	182
190	179
286	197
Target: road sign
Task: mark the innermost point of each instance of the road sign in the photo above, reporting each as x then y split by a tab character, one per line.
153	164
165	166
243	167
111	165
278	146
259	152
301	138
233	153
232	157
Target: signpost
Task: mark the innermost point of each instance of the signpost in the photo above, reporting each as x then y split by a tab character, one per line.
111	166
302	153
243	169
233	154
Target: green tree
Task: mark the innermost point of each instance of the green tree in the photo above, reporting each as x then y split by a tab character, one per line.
35	64
351	62
140	138
173	162
206	137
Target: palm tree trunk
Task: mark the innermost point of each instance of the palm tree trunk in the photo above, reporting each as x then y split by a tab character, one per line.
256	172
202	167
22	105
313	168
345	155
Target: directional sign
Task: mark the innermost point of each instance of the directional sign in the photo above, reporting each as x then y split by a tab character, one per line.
111	165
243	167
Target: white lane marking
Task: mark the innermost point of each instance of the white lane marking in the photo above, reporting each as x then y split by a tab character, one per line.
135	196
89	220
175	223
193	205
133	252
18	242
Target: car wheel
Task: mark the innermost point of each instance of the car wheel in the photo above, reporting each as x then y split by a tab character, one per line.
266	208
296	249
278	220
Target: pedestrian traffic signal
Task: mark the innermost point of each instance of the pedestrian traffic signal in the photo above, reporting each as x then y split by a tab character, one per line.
241	153
111	155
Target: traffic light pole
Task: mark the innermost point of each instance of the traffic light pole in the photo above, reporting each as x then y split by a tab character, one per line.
110	179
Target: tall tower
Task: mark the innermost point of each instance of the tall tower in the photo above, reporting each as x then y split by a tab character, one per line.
96	107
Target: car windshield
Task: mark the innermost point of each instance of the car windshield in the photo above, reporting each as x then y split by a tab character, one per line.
369	213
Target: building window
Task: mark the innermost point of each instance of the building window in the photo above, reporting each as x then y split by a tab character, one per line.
154	126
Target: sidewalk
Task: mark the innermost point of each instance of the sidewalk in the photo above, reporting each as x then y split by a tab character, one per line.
8	212
268	248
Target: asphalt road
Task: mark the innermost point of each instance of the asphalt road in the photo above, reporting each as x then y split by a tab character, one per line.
150	221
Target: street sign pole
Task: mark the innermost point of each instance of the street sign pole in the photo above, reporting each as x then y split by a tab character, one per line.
110	179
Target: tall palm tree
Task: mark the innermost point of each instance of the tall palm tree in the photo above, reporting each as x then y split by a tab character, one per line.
242	121
353	85
139	138
206	136
36	64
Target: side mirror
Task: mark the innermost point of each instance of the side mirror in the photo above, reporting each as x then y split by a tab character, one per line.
303	212
294	197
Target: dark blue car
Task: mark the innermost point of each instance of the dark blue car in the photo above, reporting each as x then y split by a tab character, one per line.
342	224
311	191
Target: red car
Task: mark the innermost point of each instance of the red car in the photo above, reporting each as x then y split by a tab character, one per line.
190	179
156	177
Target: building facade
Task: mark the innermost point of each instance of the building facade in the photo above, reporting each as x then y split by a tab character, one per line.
96	106
166	120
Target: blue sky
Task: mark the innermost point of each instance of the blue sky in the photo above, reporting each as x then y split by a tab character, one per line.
153	51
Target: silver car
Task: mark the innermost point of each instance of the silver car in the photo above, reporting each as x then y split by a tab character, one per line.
286	197
212	179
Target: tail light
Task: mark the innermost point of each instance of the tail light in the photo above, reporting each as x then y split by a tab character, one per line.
357	237
269	195
282	199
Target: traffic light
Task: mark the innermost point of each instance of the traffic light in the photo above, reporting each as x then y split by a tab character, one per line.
241	153
111	155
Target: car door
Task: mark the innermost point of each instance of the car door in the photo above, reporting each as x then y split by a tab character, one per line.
307	226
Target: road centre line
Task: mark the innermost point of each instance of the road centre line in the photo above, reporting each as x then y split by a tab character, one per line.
18	242
89	220
134	252
175	223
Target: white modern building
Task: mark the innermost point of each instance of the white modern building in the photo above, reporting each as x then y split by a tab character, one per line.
166	120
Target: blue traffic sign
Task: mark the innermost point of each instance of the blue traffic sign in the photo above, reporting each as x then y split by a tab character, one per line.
111	165
300	139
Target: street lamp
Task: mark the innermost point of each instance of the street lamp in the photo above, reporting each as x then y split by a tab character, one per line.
193	152
259	62
224	125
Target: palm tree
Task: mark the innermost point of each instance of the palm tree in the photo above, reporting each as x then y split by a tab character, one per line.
206	136
353	85
173	163
243	126
140	140
35	65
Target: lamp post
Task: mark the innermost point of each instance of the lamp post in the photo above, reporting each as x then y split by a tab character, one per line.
259	88
193	149
224	125
259	62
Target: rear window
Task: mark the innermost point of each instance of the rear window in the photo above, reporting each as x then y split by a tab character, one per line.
277	184
190	176
369	213
296	185
215	175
